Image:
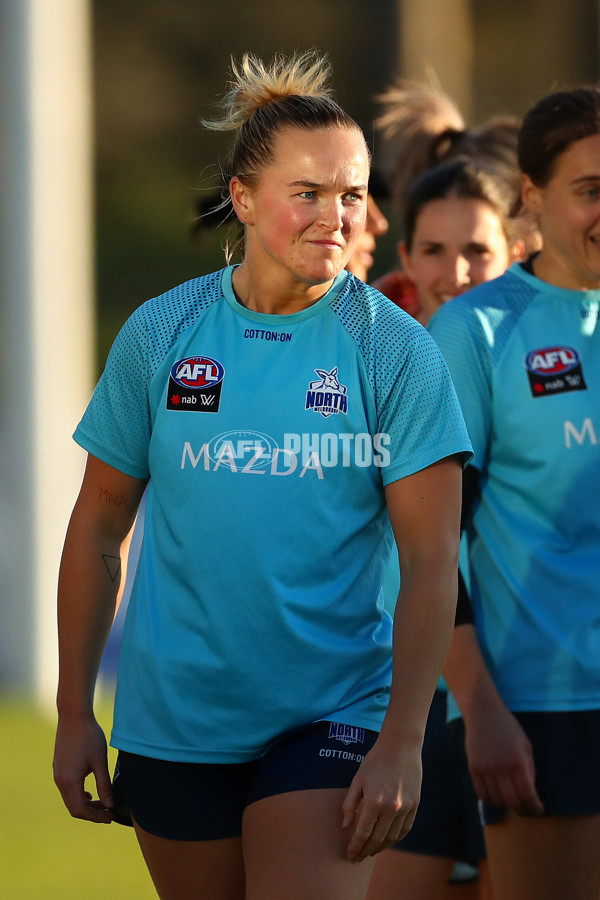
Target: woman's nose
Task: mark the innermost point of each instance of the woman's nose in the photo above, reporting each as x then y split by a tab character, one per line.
377	223
459	271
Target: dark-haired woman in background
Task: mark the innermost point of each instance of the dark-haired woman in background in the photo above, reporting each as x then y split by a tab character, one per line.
422	128
459	234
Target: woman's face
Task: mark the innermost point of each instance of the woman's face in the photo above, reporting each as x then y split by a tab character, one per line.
457	244
308	210
568	211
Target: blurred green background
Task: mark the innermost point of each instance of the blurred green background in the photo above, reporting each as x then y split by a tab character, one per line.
160	67
45	854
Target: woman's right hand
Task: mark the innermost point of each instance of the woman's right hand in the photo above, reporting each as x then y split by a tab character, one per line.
80	750
88	582
501	762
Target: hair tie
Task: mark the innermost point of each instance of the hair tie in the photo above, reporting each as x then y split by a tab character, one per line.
443	142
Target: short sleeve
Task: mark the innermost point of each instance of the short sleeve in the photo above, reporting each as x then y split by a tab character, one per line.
418	415
417	407
459	331
116	425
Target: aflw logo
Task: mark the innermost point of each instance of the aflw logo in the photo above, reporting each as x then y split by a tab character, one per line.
328	395
195	384
554	370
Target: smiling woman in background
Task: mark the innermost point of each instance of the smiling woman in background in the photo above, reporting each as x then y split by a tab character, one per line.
524	354
458	232
421	129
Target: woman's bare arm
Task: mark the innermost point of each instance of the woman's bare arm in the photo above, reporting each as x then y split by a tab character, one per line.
88	585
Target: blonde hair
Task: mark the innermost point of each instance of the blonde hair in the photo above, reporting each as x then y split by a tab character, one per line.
418	119
264	100
412	107
422	127
253	85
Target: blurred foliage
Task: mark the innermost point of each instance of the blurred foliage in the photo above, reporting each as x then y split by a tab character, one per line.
525	50
160	66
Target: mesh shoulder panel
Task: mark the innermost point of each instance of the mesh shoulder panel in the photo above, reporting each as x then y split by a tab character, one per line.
116	426
472	332
415	402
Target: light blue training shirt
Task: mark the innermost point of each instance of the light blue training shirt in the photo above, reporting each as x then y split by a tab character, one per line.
268	441
525	360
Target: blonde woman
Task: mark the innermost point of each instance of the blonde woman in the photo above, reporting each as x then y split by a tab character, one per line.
282	414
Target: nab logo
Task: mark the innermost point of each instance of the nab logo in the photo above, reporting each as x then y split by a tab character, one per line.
554	370
327	395
195	384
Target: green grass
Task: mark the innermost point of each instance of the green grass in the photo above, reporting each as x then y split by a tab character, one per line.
44	853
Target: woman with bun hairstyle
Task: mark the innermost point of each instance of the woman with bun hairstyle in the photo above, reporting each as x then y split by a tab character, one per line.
524	353
422	128
282	414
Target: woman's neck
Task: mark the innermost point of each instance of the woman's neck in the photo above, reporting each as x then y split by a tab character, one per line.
276	296
554	270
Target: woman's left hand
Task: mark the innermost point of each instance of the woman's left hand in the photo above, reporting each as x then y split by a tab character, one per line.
382	800
424	510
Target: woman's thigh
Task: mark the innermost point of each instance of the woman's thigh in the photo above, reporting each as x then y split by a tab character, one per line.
295	849
194	870
411	876
544	858
189	818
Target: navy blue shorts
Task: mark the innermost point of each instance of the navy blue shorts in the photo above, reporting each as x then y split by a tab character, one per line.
566	753
447	822
205	801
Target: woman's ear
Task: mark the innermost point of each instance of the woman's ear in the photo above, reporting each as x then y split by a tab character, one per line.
518	250
530	194
241	200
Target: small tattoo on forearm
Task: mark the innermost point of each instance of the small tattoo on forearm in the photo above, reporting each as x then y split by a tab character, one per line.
113	566
108	497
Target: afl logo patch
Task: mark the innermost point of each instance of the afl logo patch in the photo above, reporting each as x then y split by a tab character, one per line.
195	384
554	370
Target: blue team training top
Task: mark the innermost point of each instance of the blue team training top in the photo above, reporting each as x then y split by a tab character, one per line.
525	359
269	439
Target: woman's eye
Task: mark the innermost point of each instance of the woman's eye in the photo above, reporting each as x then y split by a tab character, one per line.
478	251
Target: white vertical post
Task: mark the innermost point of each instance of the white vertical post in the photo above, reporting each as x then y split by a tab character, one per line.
46	316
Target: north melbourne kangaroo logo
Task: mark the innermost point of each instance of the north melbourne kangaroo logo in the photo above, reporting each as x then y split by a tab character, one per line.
327	396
